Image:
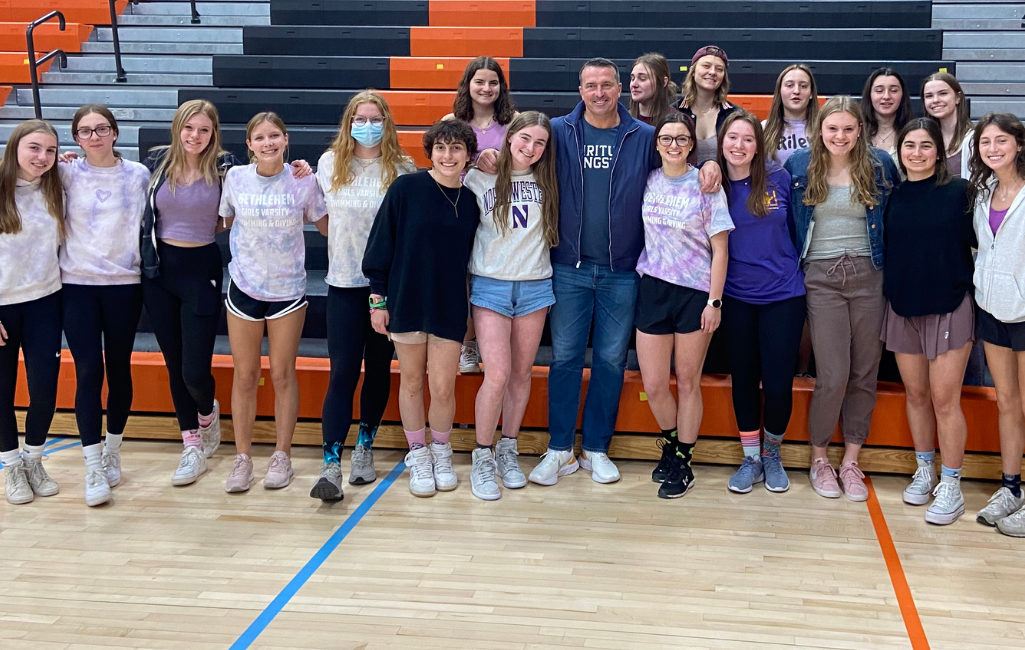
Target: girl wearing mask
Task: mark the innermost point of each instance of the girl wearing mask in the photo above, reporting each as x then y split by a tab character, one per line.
362	163
795	107
652	91
31	229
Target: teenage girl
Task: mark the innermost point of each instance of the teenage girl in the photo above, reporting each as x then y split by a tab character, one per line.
929	322
795	107
764	306
652	92
839	190
997	182
265	206
682	269
100	270
705	89
483	103
31	229
511	290
944	101
363	161
886	105
416	260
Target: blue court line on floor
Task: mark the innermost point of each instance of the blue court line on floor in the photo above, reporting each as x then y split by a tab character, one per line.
77	443
49	443
274	608
54	441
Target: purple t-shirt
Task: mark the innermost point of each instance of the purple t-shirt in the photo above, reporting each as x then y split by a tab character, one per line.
764	266
189	213
996	217
493	139
679	222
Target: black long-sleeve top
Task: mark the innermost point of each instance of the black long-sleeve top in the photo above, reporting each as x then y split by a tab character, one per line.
929	238
418	253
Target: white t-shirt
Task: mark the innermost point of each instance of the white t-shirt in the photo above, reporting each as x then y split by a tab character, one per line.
521	253
29	269
104	208
352	209
268	252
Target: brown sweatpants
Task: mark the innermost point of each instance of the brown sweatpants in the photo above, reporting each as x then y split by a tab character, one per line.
845	311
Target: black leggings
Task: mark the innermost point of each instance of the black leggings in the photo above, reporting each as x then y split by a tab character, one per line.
351	340
99	325
35	327
184	307
764	341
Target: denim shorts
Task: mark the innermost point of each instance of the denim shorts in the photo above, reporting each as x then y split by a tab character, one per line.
511	298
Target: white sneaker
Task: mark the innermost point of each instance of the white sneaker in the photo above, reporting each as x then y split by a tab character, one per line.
421	472
948	504
190	468
40	482
212	434
922	484
16	484
482	476
444	476
1013	525
602	469
1001	504
553	465
97	491
469	358
112	467
508	467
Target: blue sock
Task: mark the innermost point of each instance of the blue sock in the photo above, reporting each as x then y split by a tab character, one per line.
946	472
926	456
1012	482
772	442
366	435
332	453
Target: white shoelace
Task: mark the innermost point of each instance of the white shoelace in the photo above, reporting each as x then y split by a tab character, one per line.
422	470
485	468
18	478
921	482
945	494
507	460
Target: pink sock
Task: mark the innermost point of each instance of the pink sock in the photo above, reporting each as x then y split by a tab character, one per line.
441	437
206	420
416	438
192	438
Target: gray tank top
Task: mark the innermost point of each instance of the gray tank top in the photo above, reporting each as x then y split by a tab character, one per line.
840	227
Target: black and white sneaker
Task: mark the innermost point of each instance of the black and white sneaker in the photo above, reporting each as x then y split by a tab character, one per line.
679	480
659	474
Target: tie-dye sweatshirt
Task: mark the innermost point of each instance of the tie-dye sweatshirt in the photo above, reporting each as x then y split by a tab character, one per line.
104	209
28	259
268	251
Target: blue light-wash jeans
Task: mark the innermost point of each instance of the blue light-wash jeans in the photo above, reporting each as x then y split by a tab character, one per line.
584	295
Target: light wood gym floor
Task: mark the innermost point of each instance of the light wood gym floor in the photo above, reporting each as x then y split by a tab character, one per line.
579	565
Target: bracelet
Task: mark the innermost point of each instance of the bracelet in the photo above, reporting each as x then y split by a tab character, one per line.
373	309
382	303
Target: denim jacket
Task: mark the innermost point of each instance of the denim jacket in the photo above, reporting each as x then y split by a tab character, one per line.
801	214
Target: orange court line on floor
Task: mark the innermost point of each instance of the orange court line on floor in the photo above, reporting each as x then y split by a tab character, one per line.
905	601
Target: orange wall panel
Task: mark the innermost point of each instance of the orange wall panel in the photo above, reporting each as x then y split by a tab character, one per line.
466	41
499	13
419	108
431	73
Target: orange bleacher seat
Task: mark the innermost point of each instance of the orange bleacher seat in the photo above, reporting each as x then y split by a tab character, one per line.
93	12
14	68
4	92
431	73
46	36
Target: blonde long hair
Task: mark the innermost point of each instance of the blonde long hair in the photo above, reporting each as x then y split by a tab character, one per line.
344	145
689	90
544	176
172	166
774	125
50	182
861	161
665	90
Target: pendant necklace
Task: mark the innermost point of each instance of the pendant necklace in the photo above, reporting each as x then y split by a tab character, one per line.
455	204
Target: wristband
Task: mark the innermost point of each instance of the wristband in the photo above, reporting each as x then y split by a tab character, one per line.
381	303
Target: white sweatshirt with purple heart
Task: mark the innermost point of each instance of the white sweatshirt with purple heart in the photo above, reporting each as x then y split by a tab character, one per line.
104	208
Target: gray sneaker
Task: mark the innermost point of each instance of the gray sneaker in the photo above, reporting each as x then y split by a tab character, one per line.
16	484
41	483
776	479
329	486
948	504
922	484
482	476
1013	525
361	470
508	467
1001	504
750	472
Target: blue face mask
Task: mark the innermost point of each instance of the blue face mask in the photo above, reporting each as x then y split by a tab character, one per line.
368	135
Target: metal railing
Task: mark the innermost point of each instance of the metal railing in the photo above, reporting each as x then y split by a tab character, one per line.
33	63
195	12
121	77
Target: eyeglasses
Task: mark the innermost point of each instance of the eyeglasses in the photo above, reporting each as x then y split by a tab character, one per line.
84	133
668	140
359	120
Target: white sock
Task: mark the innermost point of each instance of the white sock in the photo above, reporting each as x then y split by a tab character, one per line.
33	452
10	458
113	442
92	455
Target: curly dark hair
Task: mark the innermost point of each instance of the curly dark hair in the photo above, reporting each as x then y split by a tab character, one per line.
980	172
462	108
448	131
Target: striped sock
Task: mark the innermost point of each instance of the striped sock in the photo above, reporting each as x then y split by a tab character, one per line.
752	443
772	442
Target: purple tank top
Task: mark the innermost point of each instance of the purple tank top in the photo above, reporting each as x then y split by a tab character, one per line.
190	214
996	217
493	139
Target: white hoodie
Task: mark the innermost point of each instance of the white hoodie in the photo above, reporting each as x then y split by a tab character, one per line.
1000	266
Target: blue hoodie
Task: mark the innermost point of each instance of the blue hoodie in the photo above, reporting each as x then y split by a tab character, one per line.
635	158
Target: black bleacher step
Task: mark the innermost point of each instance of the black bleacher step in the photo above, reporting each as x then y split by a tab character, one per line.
618	42
623	13
747	76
